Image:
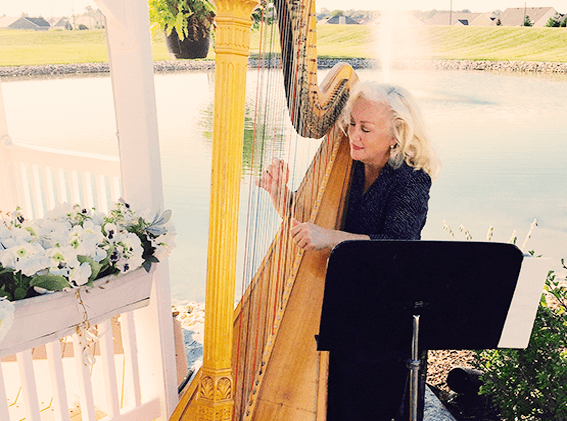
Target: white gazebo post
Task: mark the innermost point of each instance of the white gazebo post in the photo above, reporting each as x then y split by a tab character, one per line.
3	123
131	65
6	181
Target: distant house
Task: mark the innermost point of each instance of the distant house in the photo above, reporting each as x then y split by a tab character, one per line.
484	19
408	19
460	19
62	23
92	21
35	24
341	20
516	16
447	18
6	21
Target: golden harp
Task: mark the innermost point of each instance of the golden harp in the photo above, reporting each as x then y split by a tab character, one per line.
260	361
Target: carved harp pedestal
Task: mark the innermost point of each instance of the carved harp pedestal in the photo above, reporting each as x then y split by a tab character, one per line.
260	360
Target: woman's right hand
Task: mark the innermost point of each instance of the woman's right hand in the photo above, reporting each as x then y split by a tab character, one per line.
274	180
275	177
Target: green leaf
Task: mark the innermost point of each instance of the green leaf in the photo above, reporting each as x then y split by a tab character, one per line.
148	263
20	293
95	266
50	282
147	266
6	294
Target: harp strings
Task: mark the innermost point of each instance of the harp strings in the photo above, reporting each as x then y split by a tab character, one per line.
268	250
258	303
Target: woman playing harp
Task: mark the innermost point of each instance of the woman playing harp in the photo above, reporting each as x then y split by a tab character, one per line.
395	164
263	364
388	199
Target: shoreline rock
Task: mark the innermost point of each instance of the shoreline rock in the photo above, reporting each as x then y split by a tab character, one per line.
200	65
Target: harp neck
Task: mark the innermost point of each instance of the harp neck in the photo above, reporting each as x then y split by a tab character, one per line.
313	109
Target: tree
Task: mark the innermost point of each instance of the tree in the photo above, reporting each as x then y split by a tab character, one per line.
266	13
528	21
323	13
337	13
554	22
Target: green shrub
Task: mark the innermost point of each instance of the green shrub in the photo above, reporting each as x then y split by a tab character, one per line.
531	383
555	21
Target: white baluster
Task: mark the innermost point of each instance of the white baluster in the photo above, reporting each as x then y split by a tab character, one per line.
62	186
57	377
102	193
75	193
25	192
49	190
88	190
29	389
84	378
4	415
36	188
131	375
109	369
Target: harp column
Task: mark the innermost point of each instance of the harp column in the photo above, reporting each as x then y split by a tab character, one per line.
216	387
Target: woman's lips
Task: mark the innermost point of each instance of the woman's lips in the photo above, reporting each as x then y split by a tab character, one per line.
356	148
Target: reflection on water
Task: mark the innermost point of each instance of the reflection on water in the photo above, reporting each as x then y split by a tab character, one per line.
502	139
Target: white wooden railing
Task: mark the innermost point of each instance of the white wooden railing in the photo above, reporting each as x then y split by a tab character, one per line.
94	371
36	179
48	383
49	380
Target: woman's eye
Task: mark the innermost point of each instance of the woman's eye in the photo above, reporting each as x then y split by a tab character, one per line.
365	130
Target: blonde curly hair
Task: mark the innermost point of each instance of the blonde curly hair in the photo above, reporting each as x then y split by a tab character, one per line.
408	128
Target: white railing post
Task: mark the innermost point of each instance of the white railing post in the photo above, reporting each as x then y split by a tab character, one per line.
4	414
131	66
29	388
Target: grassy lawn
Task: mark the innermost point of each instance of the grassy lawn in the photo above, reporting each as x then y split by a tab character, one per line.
19	48
498	43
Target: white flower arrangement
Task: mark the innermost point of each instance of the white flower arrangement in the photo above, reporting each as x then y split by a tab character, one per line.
72	246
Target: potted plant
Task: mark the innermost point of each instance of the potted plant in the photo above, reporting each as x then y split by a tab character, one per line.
186	24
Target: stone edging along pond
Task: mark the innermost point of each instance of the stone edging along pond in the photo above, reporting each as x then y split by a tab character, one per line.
181	65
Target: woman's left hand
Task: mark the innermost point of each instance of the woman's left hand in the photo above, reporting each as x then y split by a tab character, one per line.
309	236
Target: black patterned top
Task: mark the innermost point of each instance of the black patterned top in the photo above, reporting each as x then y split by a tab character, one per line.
393	208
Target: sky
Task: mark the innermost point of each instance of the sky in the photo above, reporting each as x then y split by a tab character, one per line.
48	8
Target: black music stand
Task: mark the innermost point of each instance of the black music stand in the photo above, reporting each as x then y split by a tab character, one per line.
457	293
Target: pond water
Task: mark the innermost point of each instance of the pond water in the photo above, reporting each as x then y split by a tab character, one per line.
502	139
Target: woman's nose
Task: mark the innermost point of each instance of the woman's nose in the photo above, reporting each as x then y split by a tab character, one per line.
353	132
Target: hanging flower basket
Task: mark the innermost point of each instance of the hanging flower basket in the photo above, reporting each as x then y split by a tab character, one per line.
49	317
74	267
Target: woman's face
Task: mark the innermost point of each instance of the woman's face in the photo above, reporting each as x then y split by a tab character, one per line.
369	132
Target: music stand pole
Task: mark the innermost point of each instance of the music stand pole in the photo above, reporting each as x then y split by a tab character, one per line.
413	366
